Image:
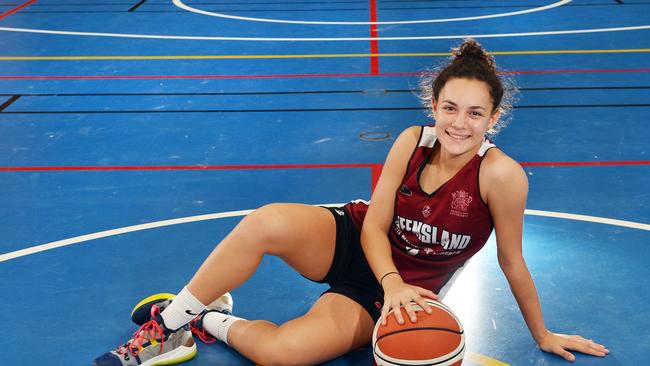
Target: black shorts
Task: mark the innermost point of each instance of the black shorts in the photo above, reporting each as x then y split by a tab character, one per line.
350	275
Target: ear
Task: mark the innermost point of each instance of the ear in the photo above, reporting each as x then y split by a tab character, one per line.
494	118
434	105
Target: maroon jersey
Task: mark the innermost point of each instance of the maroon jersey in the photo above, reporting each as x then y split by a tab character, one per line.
434	234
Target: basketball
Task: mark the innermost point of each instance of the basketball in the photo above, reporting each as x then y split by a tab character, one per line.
434	339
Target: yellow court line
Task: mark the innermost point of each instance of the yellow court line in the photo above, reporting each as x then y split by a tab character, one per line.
483	360
335	55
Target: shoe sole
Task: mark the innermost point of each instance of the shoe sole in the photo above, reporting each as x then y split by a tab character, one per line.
141	313
178	355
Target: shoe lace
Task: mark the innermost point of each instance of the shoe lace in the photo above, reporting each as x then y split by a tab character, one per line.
196	326
150	331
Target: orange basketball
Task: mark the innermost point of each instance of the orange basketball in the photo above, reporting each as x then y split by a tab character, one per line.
435	339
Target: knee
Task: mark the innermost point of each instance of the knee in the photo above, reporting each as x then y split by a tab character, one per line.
267	225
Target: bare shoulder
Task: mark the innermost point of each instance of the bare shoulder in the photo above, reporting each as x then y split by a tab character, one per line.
406	141
410	134
499	171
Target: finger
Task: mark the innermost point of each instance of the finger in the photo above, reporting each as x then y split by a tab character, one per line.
427	293
590	348
398	315
395	312
598	347
424	305
567	355
383	317
596	350
411	311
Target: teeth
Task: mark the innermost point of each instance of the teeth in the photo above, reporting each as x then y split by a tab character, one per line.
458	137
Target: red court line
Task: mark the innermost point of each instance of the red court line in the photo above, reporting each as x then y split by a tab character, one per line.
585	71
288	76
186	167
374	43
586	163
375	169
16	9
107	77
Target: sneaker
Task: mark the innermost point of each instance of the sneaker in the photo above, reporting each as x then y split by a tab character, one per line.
223	305
152	344
196	325
141	313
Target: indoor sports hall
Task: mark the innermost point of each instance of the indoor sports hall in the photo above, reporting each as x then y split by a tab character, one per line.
135	134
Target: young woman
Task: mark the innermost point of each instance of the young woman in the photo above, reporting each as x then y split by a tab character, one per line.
442	190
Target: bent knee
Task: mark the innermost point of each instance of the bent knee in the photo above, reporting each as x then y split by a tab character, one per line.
268	224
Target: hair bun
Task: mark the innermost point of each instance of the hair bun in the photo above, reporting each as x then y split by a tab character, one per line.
472	49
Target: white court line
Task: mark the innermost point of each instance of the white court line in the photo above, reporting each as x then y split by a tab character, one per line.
596	219
221	215
265	39
180	4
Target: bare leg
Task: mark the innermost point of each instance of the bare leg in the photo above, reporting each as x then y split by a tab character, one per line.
334	326
303	236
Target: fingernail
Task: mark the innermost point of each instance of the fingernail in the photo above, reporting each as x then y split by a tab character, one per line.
414	319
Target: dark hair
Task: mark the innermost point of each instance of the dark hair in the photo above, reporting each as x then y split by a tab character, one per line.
470	61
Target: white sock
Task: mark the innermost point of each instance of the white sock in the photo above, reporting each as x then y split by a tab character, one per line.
218	324
183	308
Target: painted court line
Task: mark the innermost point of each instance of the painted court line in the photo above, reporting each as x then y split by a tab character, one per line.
374	167
289	76
374	44
8	13
183	220
180	4
190	167
374	54
322	39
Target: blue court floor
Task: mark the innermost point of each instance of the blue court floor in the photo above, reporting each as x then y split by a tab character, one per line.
135	134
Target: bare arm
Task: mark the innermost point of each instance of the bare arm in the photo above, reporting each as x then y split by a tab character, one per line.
506	189
376	224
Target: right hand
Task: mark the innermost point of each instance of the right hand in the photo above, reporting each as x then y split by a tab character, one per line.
397	293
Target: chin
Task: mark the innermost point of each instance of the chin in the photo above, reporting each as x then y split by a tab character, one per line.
456	147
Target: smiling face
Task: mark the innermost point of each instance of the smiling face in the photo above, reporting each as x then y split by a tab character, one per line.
463	114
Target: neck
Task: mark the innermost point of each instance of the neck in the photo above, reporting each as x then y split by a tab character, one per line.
453	163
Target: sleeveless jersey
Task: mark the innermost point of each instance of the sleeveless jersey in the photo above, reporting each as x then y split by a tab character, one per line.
433	235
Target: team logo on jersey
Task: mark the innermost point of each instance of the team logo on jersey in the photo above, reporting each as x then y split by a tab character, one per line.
460	203
426	211
340	212
405	191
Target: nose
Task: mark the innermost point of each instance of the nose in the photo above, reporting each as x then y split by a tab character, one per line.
459	121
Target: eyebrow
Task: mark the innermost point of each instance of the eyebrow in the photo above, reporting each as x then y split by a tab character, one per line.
471	107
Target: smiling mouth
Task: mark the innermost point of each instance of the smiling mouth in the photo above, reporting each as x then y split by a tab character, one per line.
457	137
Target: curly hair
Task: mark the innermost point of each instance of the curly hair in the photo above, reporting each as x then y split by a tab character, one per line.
471	61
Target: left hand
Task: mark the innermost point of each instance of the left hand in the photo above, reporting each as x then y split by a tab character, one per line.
561	343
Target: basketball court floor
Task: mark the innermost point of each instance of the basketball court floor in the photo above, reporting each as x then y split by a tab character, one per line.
135	134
